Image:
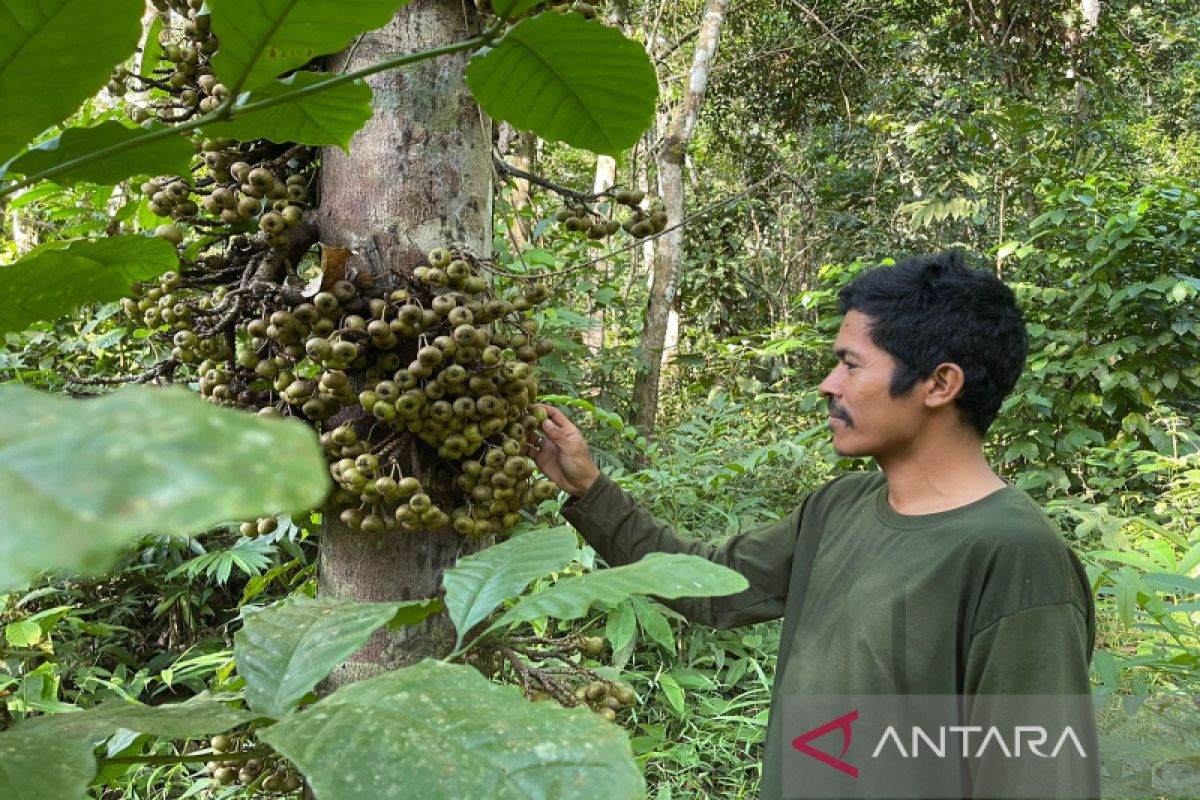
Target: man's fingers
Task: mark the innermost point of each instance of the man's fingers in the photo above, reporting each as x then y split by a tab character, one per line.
556	432
557	417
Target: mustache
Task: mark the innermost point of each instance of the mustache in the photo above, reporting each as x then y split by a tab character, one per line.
839	413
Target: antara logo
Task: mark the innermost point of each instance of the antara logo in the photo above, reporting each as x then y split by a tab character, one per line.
842	723
1033	737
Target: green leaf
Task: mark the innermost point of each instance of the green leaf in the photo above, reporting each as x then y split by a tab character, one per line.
169	156
53	55
509	9
152	49
51	756
570	80
55	279
410	612
660	574
1171	582
42	767
284	651
654	623
80	479
1125	589
621	626
264	39
480	582
23	633
195	717
672	692
327	117
443	730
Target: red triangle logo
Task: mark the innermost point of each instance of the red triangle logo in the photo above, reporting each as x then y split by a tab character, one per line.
842	723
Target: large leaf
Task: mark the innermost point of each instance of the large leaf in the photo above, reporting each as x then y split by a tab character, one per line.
79	479
171	155
43	767
262	39
51	756
53	55
283	651
480	582
659	574
328	117
57	278
570	80
513	8
442	730
194	718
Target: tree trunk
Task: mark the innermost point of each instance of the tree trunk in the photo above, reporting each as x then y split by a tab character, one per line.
669	250
522	152
1077	35
593	336
419	178
606	176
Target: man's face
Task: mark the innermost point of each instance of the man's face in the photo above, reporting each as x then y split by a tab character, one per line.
865	419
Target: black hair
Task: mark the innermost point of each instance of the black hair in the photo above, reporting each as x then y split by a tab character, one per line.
931	310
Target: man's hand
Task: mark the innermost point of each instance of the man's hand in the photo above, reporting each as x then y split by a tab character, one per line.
563	454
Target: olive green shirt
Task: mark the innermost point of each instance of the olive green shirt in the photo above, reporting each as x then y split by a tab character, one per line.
981	599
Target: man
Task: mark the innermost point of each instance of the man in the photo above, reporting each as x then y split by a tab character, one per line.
931	576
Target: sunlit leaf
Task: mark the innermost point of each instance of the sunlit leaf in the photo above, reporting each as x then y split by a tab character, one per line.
284	651
79	479
480	582
171	155
262	39
570	80
660	574
328	117
62	276
53	55
443	730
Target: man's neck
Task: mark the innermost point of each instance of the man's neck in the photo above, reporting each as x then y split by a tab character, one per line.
948	475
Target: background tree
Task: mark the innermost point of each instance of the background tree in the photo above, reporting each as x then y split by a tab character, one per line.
669	250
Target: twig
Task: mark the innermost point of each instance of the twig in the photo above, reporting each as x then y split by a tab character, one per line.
828	32
159	370
690	218
506	170
245	755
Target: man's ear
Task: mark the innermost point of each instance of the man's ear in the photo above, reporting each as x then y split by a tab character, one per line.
943	385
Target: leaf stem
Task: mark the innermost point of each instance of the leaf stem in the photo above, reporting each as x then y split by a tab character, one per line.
245	755
230	110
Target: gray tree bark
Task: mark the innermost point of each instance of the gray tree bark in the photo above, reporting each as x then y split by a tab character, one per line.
418	177
669	250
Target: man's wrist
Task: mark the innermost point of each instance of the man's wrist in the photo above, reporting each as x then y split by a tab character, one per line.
586	485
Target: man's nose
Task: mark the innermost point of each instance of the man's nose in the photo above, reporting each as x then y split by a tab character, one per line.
828	387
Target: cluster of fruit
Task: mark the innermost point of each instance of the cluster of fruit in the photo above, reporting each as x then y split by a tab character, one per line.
605	698
268	776
168	304
232	184
231	192
442	360
263	526
185	74
641	222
